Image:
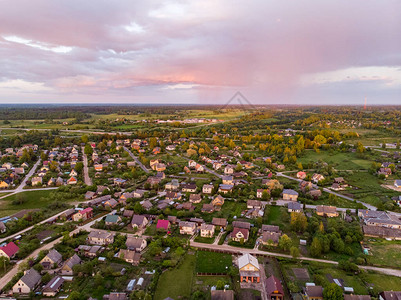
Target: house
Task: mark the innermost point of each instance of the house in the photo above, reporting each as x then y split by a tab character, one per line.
305	186
139	221
220	295
228	179
163	225
156	150
68	266
294	207
130	256
207	208
187	227
379	219
317	177
218	202
301	175
384	171
73	173
397	183
98	167
5	184
315	194
110	203
72	180
192	164
27	283
188	188
52	259
313	292
83	215
221	222
173	196
19	171
225	188
36	181
9	250
259	193
146	204
290	195
207	230
119	181
100	238
53	286
207	188
252	204
199	168
3	227
138	194
229	169
172	185
112	220
135	243
326	211
271	238
249	269
115	296
390	295
195	198
240	234
90	251
274	289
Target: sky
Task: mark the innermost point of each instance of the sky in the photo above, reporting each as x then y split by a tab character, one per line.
331	52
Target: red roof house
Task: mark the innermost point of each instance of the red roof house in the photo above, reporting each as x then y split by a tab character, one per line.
163	224
9	250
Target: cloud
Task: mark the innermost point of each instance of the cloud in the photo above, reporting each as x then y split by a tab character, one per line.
202	51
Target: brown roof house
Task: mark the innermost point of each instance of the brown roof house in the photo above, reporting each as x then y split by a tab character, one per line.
135	244
53	286
274	289
130	256
100	238
67	268
326	211
313	292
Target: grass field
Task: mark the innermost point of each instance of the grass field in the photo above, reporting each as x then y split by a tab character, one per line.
276	215
212	262
341	161
384	253
34	199
177	283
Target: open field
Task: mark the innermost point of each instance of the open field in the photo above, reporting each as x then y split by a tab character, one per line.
33	199
340	161
177	282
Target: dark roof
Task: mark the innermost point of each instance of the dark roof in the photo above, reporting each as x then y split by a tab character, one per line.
222	295
137	219
273	286
314	291
31	278
54	284
240	224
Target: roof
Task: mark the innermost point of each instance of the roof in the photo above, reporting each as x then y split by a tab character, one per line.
273	286
326	209
290	192
118	296
270	235
54	255
54	284
222	295
294	206
219	221
162	224
100	234
240	224
10	249
314	291
247	259
208	227
271	228
72	261
31	278
134	242
138	219
359	297
111	219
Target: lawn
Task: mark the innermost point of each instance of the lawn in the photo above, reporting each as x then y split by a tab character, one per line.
177	283
384	253
206	240
212	262
33	199
340	160
276	215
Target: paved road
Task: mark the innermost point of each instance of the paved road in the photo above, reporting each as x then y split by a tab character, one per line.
237	250
136	160
87	179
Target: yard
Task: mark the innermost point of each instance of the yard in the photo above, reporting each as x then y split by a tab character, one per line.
276	215
177	283
212	262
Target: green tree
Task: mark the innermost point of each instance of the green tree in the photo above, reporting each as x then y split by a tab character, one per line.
285	242
332	292
316	247
294	252
88	149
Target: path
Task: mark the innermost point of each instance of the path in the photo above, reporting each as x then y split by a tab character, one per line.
87	179
136	160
